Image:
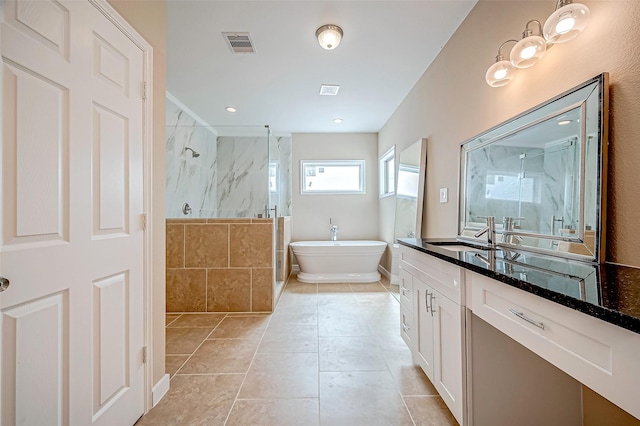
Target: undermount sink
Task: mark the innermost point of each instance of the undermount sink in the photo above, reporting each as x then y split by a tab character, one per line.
457	246
461	247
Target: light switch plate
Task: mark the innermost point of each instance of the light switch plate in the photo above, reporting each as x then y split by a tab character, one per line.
443	195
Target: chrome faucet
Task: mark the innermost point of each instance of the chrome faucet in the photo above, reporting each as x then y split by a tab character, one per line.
334	232
490	230
508	225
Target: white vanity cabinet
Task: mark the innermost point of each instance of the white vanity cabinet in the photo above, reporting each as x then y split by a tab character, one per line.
600	355
470	333
438	340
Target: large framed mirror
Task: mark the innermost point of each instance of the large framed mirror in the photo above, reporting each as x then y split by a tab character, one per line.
412	171
412	166
542	177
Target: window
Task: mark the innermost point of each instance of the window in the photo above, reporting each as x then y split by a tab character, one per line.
408	181
332	177
511	186
273	176
387	172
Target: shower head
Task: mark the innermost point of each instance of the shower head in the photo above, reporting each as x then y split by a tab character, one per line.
193	153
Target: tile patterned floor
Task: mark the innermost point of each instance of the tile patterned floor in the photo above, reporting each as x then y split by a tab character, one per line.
330	354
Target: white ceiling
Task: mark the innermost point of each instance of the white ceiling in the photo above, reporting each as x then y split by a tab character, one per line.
387	46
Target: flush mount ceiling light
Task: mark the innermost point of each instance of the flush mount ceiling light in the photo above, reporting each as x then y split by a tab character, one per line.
530	49
502	71
329	36
230	109
566	22
338	120
564	122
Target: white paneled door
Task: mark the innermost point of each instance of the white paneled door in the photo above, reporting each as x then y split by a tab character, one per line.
72	237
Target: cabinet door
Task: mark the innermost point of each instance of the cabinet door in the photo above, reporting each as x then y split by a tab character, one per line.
425	319
448	363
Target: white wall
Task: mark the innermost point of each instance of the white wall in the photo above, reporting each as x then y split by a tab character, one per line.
356	215
451	103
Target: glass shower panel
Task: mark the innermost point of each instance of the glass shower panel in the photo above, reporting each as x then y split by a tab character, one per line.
280	174
562	186
279	189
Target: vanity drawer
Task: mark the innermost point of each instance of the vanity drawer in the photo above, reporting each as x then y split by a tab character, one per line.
406	290
440	275
594	352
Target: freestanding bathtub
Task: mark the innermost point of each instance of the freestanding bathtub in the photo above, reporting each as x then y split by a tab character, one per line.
338	261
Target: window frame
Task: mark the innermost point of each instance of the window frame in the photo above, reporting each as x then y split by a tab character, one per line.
387	186
329	163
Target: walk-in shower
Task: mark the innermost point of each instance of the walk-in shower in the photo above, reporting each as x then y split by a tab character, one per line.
229	245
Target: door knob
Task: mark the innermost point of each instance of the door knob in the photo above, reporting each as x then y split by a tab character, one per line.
4	284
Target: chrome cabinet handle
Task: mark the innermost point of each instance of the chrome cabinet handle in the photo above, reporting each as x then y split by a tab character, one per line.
527	319
403	290
431	297
4	284
426	298
405	328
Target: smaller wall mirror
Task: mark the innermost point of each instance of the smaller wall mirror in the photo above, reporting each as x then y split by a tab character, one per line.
412	167
542	176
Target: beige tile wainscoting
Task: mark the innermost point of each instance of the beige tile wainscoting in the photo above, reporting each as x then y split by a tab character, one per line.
220	265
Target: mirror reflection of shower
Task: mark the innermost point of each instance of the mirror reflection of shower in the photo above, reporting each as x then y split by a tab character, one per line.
193	153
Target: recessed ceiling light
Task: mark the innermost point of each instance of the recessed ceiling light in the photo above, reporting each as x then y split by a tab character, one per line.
329	89
338	120
231	109
563	122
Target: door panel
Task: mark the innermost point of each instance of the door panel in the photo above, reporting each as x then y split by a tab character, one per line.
110	172
35	356
34	157
71	240
111	374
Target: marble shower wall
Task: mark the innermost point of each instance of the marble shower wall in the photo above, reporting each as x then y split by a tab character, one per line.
230	176
242	176
189	179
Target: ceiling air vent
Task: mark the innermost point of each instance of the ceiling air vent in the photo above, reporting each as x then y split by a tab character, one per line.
239	42
329	89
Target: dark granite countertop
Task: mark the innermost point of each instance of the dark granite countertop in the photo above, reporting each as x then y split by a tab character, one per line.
608	291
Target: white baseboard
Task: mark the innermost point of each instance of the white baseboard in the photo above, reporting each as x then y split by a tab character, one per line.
383	271
393	279
160	389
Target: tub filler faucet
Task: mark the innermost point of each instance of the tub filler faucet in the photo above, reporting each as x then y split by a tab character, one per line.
334	232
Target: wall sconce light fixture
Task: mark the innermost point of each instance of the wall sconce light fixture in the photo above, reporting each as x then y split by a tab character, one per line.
329	36
566	22
530	49
502	71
